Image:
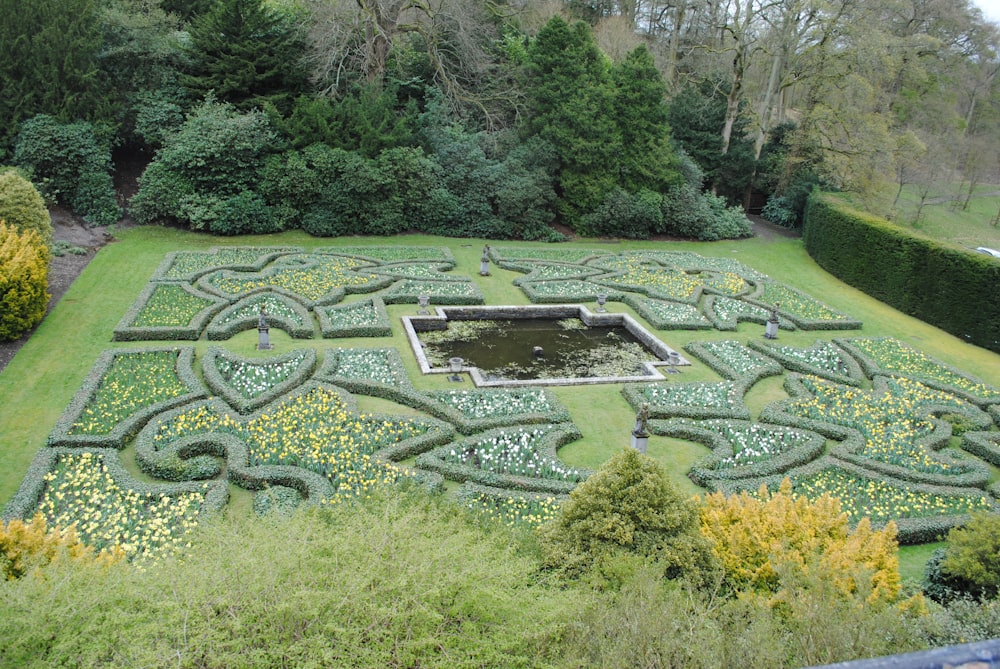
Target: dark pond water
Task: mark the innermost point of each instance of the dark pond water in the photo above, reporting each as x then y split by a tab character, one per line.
507	349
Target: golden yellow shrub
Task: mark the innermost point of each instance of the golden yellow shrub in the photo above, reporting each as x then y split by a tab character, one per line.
29	545
24	269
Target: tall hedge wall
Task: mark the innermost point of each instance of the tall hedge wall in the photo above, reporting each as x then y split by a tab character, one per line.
942	284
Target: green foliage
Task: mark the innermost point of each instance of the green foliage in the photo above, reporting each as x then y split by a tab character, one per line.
218	154
623	214
72	164
436	590
892	265
28	546
24	267
691	214
973	554
22	206
570	97
246	53
50	63
627	508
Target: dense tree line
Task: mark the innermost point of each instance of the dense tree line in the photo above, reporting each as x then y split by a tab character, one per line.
499	118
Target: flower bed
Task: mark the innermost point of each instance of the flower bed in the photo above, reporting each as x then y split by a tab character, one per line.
368	365
429	271
393	254
666	315
518	458
189	265
806	312
726	313
822	359
365	318
406	291
502	254
280	312
735	361
658	282
884	355
511	509
248	384
549	271
691	400
124	390
566	290
168	311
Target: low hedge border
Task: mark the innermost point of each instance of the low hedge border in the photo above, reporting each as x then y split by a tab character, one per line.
25	501
197	456
125	331
872	368
752	314
406	291
219	329
853	375
609	281
851	441
403	393
379	327
332	296
638	393
911	530
645	307
994	411
536	271
563	434
244	405
503	254
330	370
469	493
265	255
708	468
985	445
129	427
423	271
763	368
392	254
841	322
573	290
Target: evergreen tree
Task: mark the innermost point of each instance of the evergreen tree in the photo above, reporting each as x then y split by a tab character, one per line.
246	54
647	159
570	97
49	63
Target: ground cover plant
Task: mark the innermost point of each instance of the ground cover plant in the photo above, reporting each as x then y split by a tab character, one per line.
293	420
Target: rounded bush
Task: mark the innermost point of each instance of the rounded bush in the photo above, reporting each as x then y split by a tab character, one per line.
24	268
22	206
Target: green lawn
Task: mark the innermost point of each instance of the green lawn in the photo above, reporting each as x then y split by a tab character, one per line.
41	380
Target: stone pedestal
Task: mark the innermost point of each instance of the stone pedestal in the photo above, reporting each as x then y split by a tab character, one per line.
263	339
771	330
639	441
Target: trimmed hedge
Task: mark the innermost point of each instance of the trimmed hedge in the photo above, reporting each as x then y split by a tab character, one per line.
215	380
127	331
985	445
701	400
793	302
850	374
26	499
710	469
393	254
563	434
124	430
225	326
190	265
406	291
376	326
748	313
567	290
893	265
763	366
653	311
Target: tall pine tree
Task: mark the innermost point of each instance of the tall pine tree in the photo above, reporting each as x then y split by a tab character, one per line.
570	97
247	54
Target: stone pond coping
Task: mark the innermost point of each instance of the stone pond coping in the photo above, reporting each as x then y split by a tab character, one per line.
439	321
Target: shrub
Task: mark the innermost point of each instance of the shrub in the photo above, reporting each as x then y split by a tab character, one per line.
624	214
973	555
691	214
22	206
627	508
768	541
245	213
24	268
27	546
73	164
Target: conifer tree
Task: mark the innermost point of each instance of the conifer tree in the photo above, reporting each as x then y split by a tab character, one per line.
247	54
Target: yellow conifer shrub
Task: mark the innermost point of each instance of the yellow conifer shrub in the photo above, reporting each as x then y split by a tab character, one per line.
767	540
26	546
24	269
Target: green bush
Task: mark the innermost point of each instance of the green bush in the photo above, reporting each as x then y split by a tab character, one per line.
24	268
628	507
692	214
624	214
245	213
22	206
973	555
72	164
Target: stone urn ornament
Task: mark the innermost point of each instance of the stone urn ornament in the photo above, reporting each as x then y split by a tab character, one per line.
263	339
771	329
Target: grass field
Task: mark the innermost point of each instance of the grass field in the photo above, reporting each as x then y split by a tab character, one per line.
37	385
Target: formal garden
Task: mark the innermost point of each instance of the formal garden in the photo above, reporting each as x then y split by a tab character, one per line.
180	415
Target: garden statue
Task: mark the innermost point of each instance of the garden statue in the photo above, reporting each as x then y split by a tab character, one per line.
484	262
771	329
640	436
263	341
